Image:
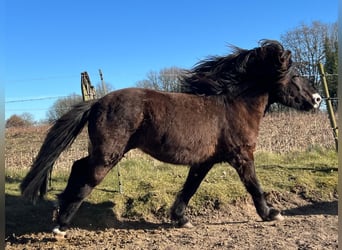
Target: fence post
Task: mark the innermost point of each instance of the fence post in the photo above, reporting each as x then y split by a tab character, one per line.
329	105
102	82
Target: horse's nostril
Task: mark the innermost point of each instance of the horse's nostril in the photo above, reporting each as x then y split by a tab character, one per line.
317	100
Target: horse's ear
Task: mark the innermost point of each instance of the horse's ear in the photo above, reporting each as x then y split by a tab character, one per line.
275	51
285	59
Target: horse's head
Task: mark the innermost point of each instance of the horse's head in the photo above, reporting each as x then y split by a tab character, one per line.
296	91
287	86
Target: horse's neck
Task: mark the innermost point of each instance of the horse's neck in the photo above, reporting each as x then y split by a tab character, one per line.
256	106
253	111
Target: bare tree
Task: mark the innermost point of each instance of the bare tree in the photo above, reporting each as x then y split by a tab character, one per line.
166	79
151	81
103	89
307	43
61	106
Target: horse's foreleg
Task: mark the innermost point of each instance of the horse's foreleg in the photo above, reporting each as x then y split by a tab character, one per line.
246	171
194	179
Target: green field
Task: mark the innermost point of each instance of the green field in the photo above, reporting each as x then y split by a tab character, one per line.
149	187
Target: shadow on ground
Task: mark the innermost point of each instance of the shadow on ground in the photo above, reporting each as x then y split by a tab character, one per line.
316	208
22	217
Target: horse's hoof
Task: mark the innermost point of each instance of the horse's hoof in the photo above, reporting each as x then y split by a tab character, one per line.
187	225
275	215
278	217
59	233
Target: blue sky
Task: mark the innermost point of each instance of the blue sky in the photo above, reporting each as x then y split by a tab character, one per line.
49	43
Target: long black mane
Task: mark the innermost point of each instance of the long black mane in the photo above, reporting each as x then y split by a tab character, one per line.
237	73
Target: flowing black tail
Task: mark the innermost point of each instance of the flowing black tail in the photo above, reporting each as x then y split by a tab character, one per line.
61	135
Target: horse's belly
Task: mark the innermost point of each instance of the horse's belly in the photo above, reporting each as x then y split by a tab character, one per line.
176	154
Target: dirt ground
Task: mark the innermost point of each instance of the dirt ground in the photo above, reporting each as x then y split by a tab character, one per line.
307	225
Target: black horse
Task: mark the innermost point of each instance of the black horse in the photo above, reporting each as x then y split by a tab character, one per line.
215	119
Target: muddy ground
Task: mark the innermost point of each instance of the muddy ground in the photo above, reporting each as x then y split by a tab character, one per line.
307	225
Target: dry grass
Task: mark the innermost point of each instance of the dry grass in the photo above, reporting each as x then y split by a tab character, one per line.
279	133
293	131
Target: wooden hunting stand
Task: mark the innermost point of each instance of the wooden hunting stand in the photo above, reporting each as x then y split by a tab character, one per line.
88	90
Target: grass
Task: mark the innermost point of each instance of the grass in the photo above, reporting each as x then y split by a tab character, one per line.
149	187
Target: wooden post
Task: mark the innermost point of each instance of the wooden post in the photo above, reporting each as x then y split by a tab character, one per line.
329	105
88	90
102	82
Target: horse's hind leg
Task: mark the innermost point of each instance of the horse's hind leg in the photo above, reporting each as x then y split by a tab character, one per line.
246	170
193	181
85	175
76	190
